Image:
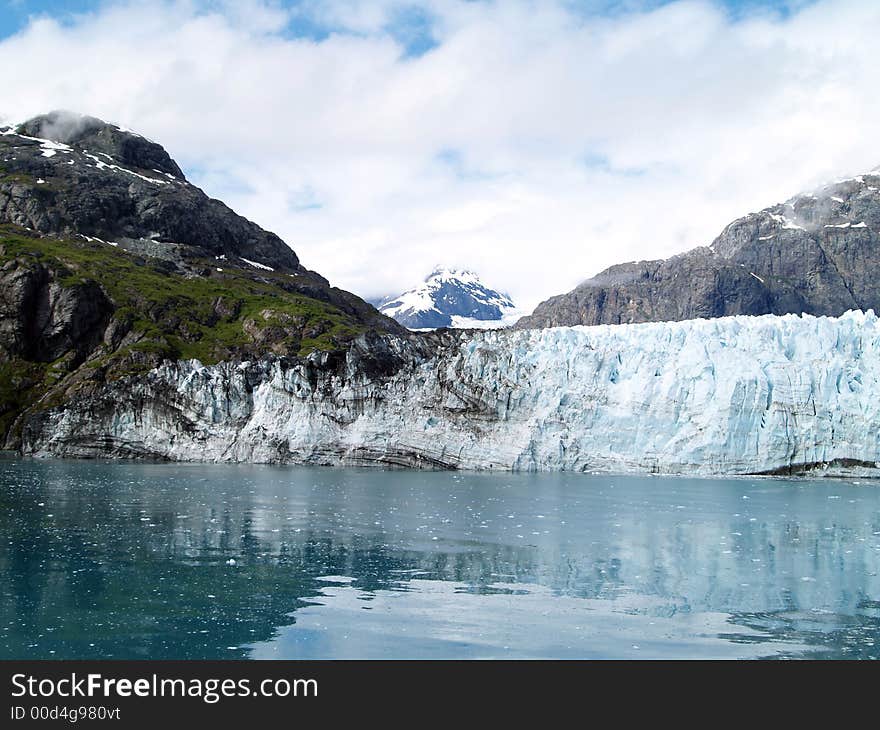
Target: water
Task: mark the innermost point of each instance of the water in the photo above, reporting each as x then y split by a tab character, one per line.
194	561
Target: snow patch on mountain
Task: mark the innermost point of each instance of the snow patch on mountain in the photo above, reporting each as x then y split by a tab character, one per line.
257	264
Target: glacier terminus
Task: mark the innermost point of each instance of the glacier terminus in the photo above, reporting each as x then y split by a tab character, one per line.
733	395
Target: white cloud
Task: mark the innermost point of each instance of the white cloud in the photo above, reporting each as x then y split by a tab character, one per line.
533	145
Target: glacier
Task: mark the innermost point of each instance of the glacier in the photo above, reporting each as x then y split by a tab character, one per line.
735	395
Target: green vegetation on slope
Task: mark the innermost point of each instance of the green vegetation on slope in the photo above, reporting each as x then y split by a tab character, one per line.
150	311
211	317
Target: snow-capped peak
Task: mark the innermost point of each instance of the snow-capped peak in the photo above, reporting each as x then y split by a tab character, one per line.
443	273
450	297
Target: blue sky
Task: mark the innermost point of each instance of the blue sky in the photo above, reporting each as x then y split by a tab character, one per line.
16	12
533	141
411	25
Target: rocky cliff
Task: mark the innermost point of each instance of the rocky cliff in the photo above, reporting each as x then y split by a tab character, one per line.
816	253
112	263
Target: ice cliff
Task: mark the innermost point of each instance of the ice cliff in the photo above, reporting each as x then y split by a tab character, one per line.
731	395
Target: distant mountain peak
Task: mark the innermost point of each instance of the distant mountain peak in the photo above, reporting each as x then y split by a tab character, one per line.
450	297
451	272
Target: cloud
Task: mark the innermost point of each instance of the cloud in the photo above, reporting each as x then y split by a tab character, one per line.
63	125
535	142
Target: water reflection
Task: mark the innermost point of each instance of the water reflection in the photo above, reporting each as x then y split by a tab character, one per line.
185	561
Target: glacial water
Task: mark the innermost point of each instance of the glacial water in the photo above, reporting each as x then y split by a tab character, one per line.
128	560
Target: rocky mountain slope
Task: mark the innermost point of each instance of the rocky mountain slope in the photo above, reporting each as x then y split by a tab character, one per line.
111	263
816	253
450	298
65	175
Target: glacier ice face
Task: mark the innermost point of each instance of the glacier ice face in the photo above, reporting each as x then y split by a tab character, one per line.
733	395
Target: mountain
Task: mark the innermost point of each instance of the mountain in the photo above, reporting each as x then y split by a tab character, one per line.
450	298
141	319
67	175
816	253
111	262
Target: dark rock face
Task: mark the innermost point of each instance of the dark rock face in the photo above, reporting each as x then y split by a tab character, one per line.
62	175
815	253
42	320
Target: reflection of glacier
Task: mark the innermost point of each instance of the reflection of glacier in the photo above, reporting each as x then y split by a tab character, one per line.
732	395
137	563
439	619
